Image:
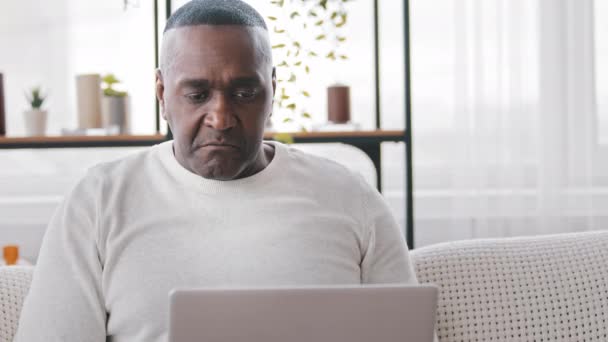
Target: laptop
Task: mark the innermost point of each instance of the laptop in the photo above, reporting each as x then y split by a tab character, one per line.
357	313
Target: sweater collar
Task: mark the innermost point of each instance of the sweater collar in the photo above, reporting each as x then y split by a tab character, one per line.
194	181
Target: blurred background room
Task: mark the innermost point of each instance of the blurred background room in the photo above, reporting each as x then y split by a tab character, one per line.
508	102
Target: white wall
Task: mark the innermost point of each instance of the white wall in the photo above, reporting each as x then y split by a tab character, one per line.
35	51
47	43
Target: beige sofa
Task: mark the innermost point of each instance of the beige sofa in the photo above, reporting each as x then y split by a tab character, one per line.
14	284
544	288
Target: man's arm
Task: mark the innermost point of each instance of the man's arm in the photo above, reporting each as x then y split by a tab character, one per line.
65	301
386	257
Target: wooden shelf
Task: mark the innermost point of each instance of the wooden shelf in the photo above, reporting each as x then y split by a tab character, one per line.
149	140
350	137
343	134
80	141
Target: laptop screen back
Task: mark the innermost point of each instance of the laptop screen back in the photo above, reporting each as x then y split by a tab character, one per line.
379	313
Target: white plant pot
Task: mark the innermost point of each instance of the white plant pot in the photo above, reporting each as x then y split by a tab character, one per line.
114	113
35	122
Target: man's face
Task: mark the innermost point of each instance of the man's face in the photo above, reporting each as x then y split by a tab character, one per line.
216	92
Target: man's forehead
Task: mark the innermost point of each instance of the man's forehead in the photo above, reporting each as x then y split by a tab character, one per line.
209	41
186	81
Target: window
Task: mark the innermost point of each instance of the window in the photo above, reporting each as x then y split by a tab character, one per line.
601	65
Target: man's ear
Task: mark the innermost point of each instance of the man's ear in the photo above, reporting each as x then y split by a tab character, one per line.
160	92
274	90
274	81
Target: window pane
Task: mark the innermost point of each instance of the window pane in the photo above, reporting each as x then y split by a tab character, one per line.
601	65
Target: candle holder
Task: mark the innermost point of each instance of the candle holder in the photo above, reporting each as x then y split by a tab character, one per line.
338	104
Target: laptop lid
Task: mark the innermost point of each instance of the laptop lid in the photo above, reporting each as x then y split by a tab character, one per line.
361	313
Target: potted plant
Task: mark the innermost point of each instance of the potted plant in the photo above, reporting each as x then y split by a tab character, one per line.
114	106
35	118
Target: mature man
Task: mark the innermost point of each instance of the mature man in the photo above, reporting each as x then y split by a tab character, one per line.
215	207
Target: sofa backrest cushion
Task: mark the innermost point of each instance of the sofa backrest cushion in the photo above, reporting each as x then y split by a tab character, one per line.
544	288
14	285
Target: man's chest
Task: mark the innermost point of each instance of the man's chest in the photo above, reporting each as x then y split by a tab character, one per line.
146	258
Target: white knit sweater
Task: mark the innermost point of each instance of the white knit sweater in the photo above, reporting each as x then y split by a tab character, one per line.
133	229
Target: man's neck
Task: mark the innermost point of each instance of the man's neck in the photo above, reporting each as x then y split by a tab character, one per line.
264	158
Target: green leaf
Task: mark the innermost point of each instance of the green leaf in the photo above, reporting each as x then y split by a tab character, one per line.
307	69
110	79
285	138
276	30
312	54
306	115
298	63
331	56
320	37
272	18
292	78
312	13
287	120
285	97
291	106
341	39
305	93
297	53
343	57
294	14
320	22
297	44
278	46
35	98
334	15
323	3
343	16
283	64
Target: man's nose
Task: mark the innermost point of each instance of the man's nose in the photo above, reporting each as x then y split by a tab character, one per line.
219	115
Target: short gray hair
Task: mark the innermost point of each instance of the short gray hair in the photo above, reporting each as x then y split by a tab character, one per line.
215	12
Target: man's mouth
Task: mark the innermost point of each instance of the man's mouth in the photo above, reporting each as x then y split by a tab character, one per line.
217	145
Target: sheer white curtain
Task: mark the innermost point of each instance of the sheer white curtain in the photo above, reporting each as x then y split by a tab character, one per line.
504	118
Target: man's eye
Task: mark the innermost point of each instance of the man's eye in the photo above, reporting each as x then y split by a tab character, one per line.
245	94
197	97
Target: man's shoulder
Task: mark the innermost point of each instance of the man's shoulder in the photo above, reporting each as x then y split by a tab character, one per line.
313	161
133	164
318	168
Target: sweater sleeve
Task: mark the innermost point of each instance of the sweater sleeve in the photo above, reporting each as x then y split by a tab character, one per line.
385	256
65	302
